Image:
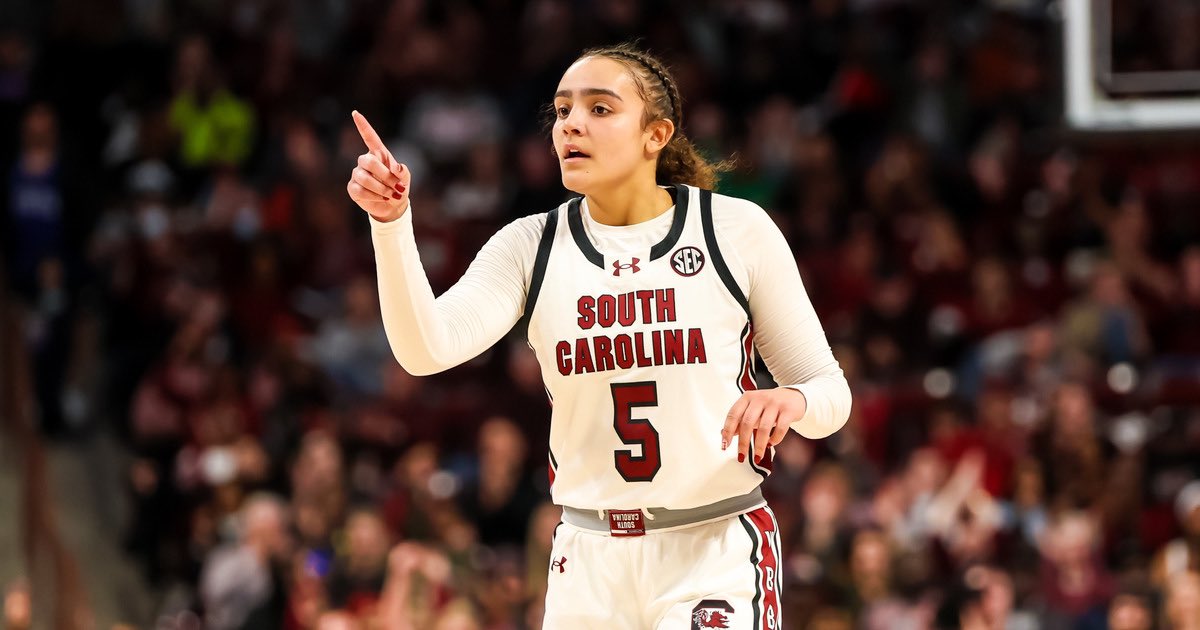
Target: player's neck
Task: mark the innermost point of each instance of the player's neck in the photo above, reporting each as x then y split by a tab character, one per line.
629	205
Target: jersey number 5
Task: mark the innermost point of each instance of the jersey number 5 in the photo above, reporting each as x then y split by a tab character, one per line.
637	431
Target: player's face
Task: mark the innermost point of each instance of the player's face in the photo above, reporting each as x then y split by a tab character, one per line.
598	132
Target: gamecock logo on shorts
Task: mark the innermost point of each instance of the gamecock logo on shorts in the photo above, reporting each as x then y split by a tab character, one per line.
711	613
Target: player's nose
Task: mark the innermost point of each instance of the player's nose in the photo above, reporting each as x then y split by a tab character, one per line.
572	125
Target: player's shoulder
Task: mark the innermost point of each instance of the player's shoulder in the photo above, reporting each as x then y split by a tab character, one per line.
743	217
523	236
534	224
527	228
728	203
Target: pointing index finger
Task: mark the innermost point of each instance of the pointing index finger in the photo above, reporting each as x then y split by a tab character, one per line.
368	133
732	419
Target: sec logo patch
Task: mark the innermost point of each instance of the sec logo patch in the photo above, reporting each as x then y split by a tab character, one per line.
687	261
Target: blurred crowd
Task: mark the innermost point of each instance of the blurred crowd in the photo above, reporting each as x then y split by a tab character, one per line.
1017	309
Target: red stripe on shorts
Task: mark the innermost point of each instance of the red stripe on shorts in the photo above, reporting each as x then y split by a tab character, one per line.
768	568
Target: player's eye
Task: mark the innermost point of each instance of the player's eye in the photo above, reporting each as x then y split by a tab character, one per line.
563	111
600	110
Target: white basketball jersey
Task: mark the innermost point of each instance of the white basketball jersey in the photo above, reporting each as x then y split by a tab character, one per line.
643	353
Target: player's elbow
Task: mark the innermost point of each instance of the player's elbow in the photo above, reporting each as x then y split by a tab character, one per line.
418	370
417	365
414	353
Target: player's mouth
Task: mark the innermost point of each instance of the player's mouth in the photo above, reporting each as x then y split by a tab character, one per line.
571	153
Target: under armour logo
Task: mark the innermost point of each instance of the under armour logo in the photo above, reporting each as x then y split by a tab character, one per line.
560	564
617	266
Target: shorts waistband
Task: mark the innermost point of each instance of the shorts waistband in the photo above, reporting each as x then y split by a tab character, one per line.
663	518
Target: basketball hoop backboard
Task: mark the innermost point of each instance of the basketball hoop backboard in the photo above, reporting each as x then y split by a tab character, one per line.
1104	96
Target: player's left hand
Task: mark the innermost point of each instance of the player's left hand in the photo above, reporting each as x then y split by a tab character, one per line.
764	414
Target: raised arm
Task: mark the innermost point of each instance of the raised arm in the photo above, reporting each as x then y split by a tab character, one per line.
428	334
379	184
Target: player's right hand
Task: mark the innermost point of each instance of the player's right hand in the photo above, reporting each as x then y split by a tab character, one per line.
379	184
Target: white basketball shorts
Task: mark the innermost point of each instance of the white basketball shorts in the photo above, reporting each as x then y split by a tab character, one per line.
720	574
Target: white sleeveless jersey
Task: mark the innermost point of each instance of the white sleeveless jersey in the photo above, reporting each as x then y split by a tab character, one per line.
643	353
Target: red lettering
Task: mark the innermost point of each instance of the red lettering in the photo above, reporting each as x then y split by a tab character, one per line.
673	346
623	348
606	306
639	347
696	346
562	353
604	357
644	297
665	300
626	310
626	350
587	312
583	357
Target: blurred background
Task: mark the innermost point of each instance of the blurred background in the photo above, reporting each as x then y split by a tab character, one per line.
203	425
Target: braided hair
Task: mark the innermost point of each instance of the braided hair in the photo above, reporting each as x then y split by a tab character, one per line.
679	162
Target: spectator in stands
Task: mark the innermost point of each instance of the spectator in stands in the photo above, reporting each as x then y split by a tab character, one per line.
979	598
1182	554
499	500
42	218
1074	581
1130	610
214	126
351	347
239	578
358	572
1181	607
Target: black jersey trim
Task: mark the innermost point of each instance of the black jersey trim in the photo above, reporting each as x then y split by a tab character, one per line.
710	239
751	531
542	260
682	195
575	221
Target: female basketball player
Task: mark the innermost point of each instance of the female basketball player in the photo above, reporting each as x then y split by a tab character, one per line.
646	299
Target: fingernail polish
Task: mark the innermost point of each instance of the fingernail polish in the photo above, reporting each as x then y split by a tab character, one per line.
397	196
741	458
399	188
724	444
757	459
